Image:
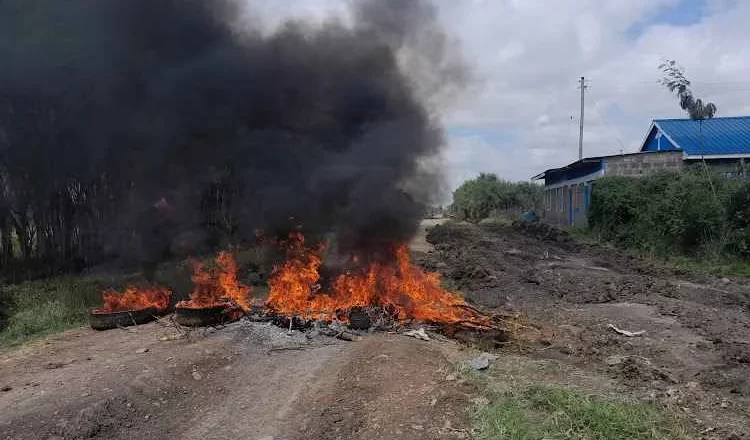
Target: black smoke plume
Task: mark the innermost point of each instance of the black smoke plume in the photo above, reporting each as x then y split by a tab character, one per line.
132	127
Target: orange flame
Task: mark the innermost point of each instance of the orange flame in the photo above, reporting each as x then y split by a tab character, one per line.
135	298
218	287
413	293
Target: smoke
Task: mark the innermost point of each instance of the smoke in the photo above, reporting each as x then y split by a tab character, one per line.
329	124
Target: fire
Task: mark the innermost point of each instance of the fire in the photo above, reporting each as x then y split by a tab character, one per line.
218	286
135	298
400	286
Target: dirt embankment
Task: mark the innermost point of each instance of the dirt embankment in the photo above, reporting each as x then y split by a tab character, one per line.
695	352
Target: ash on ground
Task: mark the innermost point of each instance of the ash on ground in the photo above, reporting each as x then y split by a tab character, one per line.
268	335
273	337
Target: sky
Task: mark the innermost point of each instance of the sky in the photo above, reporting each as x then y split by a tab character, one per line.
519	114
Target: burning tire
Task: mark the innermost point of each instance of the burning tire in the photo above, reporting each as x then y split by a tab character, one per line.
100	320
207	316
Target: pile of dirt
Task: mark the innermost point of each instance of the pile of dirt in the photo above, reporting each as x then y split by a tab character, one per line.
542	231
490	262
696	327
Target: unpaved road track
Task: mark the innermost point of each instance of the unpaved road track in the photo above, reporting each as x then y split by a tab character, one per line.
229	384
233	383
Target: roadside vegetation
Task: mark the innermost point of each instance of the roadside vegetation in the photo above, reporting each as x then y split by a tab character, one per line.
39	308
526	399
543	412
677	216
488	196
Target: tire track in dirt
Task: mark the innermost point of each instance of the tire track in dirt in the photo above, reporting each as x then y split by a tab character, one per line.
227	384
392	388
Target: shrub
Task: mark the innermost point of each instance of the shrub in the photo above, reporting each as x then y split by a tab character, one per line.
665	212
738	216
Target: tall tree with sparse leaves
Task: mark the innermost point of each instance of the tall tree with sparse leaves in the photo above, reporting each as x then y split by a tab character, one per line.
674	79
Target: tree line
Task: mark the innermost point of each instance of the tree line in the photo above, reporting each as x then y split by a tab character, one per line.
487	195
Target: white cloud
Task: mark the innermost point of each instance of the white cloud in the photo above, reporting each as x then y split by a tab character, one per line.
533	94
527	56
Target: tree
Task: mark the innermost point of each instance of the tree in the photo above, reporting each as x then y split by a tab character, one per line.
674	79
479	198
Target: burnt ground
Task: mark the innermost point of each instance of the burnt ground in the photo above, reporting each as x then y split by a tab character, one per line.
251	380
694	355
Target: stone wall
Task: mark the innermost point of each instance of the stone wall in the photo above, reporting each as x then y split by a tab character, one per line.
643	164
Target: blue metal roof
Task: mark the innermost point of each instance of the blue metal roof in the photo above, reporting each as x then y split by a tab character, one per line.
717	136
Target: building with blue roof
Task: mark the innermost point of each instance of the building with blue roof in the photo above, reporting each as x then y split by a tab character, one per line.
724	143
669	145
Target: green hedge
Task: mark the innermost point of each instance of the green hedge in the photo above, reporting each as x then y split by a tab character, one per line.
686	212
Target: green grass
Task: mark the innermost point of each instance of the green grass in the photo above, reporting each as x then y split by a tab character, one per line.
720	267
39	308
707	262
540	412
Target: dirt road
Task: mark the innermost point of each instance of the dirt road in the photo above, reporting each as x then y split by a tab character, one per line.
252	380
244	381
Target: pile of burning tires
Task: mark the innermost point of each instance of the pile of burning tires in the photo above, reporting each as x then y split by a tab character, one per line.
217	298
124	314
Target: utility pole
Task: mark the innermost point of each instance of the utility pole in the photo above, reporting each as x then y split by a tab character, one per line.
583	87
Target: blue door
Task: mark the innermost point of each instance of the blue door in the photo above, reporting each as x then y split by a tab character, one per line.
571	212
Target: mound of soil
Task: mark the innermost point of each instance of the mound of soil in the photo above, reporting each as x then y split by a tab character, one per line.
542	231
697	328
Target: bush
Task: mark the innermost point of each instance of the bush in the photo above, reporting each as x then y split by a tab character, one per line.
670	212
479	198
738	214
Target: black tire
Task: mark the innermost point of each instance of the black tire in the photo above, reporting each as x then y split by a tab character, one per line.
169	310
359	319
108	320
208	316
